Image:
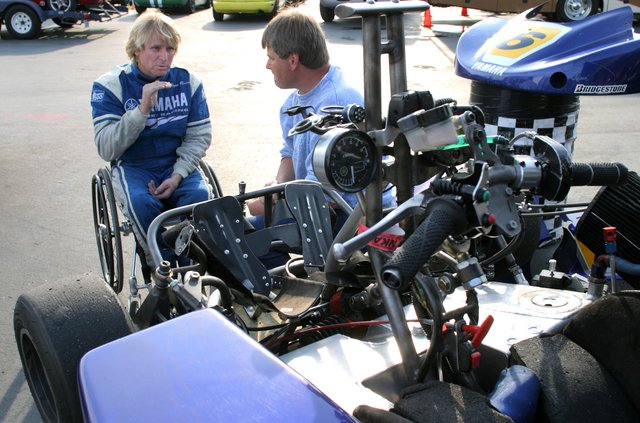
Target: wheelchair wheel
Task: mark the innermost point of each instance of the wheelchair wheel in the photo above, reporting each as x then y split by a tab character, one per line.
211	177
107	229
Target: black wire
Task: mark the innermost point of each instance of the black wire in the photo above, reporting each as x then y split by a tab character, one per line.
513	244
272	327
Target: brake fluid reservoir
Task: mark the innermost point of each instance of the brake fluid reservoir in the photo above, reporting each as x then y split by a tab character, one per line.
427	130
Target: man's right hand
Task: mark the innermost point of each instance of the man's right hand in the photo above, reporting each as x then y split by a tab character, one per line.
150	95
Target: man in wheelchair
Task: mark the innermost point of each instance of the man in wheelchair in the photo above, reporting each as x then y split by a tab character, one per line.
151	122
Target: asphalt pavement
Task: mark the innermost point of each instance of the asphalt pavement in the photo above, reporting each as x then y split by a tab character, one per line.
47	156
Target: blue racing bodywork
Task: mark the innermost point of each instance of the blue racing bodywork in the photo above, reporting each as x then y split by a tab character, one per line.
215	373
597	55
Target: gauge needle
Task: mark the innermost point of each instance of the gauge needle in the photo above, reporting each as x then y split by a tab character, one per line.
346	155
353	175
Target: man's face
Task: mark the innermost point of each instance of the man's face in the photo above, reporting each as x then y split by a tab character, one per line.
154	60
281	69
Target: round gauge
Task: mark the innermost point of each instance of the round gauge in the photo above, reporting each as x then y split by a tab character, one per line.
345	158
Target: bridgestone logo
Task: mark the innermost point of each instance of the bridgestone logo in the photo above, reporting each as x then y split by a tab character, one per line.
600	89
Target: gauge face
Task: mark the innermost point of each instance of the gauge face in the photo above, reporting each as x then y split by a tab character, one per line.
349	159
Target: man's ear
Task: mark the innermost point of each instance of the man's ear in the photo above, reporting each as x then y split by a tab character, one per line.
293	60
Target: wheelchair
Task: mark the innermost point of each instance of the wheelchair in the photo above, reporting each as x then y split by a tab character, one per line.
110	225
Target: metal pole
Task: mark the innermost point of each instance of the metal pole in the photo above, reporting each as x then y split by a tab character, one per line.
372	99
398	84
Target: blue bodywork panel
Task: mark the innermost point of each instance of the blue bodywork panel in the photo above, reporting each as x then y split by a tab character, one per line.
594	56
195	368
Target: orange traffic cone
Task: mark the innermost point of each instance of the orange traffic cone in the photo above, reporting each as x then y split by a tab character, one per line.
464	12
426	21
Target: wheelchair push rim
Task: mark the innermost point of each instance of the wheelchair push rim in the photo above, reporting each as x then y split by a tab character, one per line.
107	230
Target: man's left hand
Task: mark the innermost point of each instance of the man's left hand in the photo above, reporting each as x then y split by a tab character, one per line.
166	188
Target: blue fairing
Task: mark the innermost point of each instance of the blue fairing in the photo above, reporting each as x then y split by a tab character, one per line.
197	368
597	55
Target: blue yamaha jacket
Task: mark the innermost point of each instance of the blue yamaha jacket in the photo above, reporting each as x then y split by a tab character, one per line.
176	133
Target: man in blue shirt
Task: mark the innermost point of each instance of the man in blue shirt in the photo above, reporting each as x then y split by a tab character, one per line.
298	57
151	121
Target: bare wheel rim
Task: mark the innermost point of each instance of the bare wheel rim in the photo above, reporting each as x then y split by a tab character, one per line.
60	5
577	9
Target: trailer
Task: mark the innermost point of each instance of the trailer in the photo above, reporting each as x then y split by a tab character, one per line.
24	18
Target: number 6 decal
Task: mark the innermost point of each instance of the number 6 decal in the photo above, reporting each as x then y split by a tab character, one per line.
510	48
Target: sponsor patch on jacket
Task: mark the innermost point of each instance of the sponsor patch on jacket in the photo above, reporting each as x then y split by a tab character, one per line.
97	95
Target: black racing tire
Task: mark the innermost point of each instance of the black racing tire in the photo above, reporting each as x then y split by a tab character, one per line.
61	5
575	10
217	16
107	229
23	22
55	325
327	13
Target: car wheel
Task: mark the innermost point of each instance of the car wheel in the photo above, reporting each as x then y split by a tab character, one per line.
327	13
55	325
207	4
190	7
217	16
574	10
22	22
62	5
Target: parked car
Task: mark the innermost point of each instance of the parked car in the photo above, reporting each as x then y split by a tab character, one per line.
270	8
187	6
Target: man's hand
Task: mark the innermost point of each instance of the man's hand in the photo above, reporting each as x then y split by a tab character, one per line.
256	205
150	95
166	188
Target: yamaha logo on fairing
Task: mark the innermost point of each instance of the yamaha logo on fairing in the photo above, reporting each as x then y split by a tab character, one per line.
488	68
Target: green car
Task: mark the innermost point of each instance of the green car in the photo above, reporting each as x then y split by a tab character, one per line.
268	7
187	6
